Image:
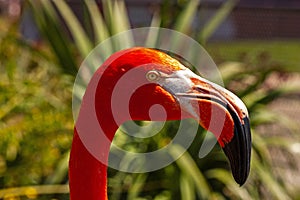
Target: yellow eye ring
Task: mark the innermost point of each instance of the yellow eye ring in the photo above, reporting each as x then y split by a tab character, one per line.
152	75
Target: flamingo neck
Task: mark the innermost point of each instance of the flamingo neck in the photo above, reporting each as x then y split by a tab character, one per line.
92	138
88	176
88	171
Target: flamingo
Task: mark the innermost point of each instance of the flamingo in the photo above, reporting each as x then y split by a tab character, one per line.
158	79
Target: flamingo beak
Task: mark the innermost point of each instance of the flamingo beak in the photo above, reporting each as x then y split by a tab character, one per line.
219	111
235	141
238	150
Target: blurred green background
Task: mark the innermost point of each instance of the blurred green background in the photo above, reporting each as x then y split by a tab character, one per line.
255	45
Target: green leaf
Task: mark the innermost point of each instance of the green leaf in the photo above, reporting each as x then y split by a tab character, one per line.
48	23
187	187
276	190
189	167
226	178
100	29
186	17
137	186
33	191
216	20
62	169
81	39
153	34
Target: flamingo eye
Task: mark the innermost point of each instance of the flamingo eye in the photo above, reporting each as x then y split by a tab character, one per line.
152	75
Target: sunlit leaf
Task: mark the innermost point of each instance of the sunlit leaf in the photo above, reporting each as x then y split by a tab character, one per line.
82	41
216	20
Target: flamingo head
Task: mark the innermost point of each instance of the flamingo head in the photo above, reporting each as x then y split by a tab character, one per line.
140	79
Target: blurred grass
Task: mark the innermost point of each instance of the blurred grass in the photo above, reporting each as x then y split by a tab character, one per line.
282	52
36	121
35	117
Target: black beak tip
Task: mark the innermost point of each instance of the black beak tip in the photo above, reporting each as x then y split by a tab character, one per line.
238	151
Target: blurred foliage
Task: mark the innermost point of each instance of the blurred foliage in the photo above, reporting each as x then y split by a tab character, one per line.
36	121
35	118
282	53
